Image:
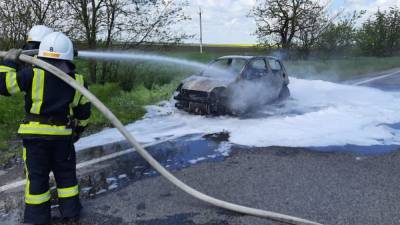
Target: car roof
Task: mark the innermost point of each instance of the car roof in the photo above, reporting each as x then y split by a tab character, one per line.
248	57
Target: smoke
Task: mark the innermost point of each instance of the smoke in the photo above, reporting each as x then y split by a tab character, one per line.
280	54
251	94
312	69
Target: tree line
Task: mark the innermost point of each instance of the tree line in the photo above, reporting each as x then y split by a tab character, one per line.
306	27
95	24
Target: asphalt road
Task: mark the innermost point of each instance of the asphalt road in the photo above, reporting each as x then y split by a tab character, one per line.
330	188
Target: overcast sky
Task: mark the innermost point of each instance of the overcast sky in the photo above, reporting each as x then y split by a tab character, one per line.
226	21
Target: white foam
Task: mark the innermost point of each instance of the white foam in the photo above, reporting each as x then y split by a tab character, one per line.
319	114
224	149
194	161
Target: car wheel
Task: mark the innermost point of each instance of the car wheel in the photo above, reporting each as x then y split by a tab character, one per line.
217	105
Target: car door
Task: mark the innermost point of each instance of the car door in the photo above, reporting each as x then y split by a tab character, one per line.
256	69
259	85
277	70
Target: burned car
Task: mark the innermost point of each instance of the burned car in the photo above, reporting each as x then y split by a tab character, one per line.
234	85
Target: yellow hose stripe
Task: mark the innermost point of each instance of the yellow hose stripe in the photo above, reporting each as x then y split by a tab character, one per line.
29	198
68	192
37	91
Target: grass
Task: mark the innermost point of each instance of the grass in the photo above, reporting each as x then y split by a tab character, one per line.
11	112
127	106
132	86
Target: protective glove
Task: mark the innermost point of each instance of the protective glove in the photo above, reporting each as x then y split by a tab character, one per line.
76	134
13	55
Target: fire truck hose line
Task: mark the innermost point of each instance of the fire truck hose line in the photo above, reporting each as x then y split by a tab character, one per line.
154	163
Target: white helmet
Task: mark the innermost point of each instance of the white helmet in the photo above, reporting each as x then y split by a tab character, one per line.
37	33
56	46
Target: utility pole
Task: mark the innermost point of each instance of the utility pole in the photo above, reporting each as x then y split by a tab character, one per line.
201	32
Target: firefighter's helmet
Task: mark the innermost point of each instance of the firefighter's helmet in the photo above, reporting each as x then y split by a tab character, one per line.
57	46
38	32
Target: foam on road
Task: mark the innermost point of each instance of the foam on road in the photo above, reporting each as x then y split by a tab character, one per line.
319	114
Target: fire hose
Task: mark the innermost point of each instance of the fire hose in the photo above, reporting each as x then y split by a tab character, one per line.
154	163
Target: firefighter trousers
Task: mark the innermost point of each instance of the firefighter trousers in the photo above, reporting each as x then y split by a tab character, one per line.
41	157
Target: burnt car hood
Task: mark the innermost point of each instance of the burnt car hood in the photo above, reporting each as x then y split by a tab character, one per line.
206	84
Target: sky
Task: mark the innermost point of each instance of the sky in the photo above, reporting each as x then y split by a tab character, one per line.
227	21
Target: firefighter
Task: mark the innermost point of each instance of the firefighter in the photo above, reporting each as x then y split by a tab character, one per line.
35	36
56	115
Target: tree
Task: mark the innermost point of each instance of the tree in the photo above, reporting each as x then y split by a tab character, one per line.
280	21
340	35
95	23
48	12
159	28
128	23
314	22
18	16
113	10
15	22
88	20
380	34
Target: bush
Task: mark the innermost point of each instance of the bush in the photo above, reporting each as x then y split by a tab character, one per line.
380	34
127	106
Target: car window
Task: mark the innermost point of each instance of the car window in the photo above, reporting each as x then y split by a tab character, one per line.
258	64
237	65
275	65
256	69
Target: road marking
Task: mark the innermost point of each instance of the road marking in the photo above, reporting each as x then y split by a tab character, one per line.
12	185
376	78
20	183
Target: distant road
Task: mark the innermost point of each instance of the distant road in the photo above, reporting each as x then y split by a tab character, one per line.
389	80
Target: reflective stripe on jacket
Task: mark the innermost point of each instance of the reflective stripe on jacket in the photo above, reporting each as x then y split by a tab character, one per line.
10	84
46	96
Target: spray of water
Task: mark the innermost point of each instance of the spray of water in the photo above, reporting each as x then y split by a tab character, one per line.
135	56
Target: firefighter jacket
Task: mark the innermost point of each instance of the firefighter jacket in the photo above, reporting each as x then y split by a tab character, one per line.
50	104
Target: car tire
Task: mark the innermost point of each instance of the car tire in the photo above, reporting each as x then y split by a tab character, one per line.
218	99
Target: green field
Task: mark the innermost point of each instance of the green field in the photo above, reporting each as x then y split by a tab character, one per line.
135	85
